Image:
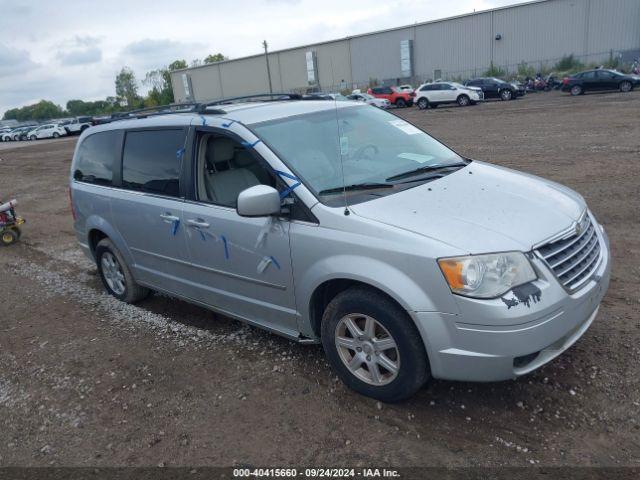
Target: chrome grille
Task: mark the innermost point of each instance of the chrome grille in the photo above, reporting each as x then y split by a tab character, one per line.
576	258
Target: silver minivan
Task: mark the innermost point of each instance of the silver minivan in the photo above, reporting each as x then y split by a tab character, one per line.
340	223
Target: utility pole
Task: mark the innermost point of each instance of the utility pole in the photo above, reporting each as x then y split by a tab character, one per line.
266	57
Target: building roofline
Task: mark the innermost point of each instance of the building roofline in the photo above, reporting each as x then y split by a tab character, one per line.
375	32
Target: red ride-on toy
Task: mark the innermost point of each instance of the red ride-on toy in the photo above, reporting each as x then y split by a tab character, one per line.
9	223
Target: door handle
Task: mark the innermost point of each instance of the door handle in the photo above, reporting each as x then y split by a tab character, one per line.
168	218
197	223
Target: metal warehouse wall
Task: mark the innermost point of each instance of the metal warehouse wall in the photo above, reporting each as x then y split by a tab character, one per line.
538	33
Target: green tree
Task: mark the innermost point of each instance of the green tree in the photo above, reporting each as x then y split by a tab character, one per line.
217	57
127	88
43	110
568	63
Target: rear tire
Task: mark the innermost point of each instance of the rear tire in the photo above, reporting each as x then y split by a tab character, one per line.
423	103
360	354
8	237
400	103
116	275
576	90
56	134
506	95
626	86
32	137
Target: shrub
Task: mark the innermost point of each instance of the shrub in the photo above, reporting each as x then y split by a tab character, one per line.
494	71
525	70
568	63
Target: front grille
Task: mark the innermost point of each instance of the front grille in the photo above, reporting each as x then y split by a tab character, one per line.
576	258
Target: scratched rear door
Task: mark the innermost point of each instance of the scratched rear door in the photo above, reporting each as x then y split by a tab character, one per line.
147	207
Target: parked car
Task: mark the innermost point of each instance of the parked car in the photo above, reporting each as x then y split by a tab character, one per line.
520	88
50	130
438	93
406	88
324	96
494	88
395	96
4	134
597	80
77	125
17	134
409	261
370	100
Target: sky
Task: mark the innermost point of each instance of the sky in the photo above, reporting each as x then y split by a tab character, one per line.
73	49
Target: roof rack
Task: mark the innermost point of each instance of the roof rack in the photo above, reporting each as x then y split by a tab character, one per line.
270	97
190	107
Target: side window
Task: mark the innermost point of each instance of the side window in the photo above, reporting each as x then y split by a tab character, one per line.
376	90
589	75
151	162
96	158
387	90
226	168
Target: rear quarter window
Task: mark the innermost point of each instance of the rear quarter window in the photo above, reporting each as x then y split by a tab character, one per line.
96	157
151	161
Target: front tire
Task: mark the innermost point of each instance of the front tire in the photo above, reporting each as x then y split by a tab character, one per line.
373	345
32	137
423	103
463	100
626	86
116	275
400	103
56	134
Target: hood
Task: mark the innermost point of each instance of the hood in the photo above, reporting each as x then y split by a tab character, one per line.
475	89
480	208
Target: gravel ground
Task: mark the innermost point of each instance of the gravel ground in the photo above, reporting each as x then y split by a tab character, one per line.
88	381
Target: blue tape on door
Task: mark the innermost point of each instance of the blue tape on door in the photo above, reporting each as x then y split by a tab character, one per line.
226	246
202	235
174	226
275	262
227	125
179	153
204	120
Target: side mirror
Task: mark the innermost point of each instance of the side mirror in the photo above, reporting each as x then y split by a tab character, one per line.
258	201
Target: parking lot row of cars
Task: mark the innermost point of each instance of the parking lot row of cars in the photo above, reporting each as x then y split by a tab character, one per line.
433	94
58	129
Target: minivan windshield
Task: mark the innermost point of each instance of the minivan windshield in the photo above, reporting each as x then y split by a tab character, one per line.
375	153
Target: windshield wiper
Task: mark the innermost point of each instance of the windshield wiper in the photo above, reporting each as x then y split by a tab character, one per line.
355	187
425	168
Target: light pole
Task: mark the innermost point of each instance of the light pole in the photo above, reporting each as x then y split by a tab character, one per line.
266	57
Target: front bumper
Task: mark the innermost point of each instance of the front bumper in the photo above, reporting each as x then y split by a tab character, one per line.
491	341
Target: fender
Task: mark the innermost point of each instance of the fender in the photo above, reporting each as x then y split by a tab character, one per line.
394	282
95	222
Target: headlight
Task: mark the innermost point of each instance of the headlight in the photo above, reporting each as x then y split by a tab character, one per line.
486	276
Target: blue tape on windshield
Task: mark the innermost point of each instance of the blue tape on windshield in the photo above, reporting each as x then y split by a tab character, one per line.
174	226
288	190
226	247
204	120
227	125
249	144
179	153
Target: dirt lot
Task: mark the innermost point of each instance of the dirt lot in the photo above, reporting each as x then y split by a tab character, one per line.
85	380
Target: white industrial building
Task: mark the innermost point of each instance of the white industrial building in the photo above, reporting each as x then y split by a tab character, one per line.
538	33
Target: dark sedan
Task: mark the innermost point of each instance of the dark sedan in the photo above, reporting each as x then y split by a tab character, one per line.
597	80
494	88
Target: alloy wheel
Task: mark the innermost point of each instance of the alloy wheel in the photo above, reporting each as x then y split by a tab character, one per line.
367	349
112	273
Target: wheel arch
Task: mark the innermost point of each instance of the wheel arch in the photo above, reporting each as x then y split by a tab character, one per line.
324	280
98	228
